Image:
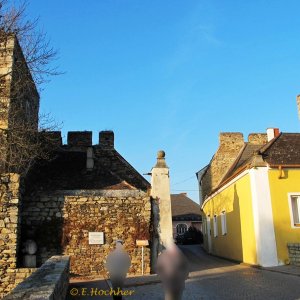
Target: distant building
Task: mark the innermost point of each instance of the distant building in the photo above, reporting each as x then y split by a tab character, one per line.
185	213
251	198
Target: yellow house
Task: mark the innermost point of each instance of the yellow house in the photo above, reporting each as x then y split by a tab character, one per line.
250	195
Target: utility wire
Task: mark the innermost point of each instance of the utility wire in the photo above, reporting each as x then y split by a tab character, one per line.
184	190
184	180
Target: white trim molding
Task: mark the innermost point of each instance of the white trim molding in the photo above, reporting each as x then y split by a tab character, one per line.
244	173
263	217
290	195
223	222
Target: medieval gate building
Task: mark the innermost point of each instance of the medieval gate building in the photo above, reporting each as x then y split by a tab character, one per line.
80	190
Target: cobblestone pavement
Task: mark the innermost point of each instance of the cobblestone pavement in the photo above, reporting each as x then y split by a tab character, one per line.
214	278
244	284
210	278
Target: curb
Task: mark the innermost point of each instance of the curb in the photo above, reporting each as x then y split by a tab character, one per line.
271	270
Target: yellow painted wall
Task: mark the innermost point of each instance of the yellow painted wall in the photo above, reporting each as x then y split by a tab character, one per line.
239	242
279	188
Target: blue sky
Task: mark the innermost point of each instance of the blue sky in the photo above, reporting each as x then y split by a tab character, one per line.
173	74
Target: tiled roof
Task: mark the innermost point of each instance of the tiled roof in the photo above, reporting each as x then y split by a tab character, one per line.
183	206
247	151
283	150
67	171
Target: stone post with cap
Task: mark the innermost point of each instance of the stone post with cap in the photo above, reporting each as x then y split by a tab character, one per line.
160	190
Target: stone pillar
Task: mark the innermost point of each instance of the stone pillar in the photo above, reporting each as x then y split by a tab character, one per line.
160	190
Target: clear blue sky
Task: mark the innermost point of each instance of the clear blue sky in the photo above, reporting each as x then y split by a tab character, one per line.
172	74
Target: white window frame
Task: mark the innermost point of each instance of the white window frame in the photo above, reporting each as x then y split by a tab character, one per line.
204	226
290	196
187	228
224	222
215	225
208	226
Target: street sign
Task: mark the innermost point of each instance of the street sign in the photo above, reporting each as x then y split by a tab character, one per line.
96	238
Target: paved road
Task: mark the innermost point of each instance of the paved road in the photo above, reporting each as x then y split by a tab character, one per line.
211	278
214	278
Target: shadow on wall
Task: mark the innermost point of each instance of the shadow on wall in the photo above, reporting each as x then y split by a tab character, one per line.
155	246
228	245
41	221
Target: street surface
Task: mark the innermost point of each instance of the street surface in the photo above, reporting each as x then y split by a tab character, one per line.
214	278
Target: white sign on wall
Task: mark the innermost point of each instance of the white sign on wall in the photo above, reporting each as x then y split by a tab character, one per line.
96	238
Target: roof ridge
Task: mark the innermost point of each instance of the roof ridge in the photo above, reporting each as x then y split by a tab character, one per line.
235	162
265	147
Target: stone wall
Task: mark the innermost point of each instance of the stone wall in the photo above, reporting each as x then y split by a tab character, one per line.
19	96
257	138
9	231
49	282
6	62
294	253
62	221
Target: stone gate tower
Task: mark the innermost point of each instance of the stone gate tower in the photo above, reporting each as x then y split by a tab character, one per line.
18	93
19	99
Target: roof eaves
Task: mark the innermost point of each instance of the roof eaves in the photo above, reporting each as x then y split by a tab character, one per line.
235	174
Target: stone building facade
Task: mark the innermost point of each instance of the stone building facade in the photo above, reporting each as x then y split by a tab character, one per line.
79	190
68	198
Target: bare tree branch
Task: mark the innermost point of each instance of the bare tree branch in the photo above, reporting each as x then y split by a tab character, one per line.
35	44
26	63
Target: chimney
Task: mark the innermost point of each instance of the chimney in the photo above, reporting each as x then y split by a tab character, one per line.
231	139
257	138
298	105
229	149
106	139
272	133
80	138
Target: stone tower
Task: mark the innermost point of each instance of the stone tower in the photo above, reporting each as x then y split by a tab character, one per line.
19	99
160	190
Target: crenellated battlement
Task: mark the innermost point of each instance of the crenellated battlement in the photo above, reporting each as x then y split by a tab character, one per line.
80	139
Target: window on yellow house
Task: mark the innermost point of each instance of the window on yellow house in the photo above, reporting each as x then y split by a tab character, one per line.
215	226
223	222
204	226
295	205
